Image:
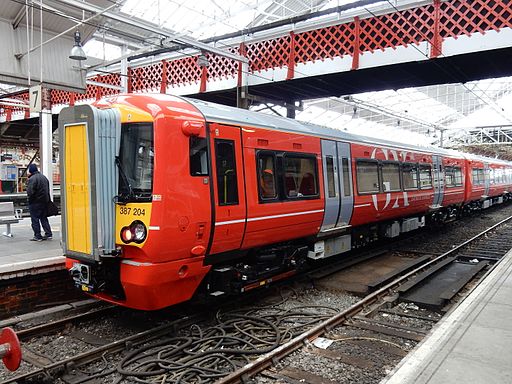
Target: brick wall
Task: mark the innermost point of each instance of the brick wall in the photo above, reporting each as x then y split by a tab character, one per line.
35	292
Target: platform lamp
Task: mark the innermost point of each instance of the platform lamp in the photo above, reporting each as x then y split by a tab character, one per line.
77	52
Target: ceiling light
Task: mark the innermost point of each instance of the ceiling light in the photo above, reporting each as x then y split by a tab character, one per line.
77	52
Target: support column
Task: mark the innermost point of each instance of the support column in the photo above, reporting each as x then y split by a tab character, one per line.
290	109
45	145
242	90
124	69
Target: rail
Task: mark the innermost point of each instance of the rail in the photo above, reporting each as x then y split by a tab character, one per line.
267	360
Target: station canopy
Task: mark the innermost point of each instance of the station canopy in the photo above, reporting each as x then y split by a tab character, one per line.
421	115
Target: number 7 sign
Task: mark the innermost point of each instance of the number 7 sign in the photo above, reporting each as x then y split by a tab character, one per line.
35	96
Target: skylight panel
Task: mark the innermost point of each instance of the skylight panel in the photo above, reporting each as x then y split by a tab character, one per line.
100	50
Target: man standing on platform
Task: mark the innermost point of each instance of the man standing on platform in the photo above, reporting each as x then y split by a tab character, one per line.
38	191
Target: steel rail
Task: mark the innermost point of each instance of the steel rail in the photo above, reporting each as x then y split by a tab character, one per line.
267	360
37	330
97	353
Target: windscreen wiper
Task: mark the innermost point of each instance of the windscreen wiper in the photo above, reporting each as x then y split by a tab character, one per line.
125	180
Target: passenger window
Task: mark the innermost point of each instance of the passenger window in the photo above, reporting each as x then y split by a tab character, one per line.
449	177
475	176
480	178
227	187
457	175
453	177
367	176
300	176
487	175
347	190
331	189
266	176
390	177
410	176
198	156
425	176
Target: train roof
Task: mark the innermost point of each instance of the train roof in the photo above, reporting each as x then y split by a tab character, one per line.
236	116
225	114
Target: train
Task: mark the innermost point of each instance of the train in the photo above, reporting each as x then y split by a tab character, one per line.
164	197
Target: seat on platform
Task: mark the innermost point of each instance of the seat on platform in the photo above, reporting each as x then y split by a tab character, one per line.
9	216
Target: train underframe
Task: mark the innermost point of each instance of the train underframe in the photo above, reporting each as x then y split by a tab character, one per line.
260	267
243	271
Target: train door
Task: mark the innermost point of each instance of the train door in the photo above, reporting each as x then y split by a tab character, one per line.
345	178
228	186
331	184
487	178
438	174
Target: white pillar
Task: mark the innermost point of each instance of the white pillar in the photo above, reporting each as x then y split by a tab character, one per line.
124	69
45	147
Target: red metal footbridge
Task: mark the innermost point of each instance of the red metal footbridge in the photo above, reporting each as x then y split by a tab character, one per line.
387	45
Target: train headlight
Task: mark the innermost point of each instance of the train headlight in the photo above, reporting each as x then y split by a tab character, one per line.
136	232
139	231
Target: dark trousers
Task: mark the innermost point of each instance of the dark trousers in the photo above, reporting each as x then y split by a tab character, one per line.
38	214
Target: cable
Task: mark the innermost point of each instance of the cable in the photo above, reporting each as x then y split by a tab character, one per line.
205	353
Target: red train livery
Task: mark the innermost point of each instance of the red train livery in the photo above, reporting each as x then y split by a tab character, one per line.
166	196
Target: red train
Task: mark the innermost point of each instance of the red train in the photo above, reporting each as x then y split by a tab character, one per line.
164	195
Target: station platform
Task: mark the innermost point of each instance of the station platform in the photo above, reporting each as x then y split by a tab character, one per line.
472	343
20	256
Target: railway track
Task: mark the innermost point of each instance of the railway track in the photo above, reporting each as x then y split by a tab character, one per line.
360	314
240	344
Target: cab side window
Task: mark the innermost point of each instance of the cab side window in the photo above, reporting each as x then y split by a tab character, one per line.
267	176
198	156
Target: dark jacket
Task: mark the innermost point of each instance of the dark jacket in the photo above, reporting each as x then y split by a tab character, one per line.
38	189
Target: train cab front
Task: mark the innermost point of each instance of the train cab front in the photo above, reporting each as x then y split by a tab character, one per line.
107	168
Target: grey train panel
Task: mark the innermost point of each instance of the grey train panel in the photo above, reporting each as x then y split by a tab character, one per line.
438	176
332	203
103	132
345	180
107	140
487	178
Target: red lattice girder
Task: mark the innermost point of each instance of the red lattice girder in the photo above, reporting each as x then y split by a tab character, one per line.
183	71
268	54
431	23
324	43
112	79
147	78
395	29
221	67
9	110
59	97
467	17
